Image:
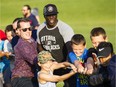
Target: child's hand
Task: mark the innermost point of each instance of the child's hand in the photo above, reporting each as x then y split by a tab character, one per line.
73	68
80	68
7	54
96	60
89	68
4	54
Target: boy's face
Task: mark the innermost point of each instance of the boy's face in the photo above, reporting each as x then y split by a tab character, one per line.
9	35
78	49
96	40
46	66
105	60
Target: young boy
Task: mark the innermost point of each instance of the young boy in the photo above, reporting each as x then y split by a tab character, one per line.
48	65
4	62
107	72
78	43
97	35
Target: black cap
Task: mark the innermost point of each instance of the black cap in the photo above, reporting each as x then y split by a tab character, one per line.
50	9
104	49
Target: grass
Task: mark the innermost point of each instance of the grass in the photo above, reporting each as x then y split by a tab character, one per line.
81	15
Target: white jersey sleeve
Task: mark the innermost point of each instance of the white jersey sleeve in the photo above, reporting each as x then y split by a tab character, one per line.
38	30
66	31
7	46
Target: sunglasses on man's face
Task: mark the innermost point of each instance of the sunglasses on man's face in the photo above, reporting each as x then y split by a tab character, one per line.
25	29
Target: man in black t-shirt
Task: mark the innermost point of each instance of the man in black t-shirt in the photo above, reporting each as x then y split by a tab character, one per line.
54	36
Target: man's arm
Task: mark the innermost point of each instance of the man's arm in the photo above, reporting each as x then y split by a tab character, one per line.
63	65
27	51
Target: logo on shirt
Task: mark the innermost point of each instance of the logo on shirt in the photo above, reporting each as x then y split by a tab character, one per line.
49	43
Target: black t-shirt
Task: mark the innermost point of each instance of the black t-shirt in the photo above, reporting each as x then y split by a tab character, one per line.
55	39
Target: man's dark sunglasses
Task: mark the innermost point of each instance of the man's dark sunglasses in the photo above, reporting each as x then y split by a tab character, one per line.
25	29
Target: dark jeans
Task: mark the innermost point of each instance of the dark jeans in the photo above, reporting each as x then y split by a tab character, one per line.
22	82
7	75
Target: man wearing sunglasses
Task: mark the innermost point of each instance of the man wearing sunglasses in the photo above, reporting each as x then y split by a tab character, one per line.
54	35
25	56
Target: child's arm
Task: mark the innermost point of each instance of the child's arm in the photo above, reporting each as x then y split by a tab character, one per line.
89	66
74	60
43	78
79	66
96	60
64	65
2	53
90	61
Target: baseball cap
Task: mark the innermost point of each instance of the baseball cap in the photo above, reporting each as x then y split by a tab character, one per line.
50	9
104	49
44	56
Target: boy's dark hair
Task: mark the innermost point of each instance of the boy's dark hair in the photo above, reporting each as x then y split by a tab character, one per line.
10	28
78	39
98	31
28	7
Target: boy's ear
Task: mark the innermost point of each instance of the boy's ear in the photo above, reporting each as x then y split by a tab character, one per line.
85	45
106	39
39	64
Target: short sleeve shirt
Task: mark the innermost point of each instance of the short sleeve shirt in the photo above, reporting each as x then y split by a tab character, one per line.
82	80
54	39
33	20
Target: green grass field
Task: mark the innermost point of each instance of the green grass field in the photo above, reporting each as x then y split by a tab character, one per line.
81	15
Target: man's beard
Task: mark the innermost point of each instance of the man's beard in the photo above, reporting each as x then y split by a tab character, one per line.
25	15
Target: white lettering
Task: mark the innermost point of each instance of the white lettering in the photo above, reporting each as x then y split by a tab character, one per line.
55	47
51	47
46	38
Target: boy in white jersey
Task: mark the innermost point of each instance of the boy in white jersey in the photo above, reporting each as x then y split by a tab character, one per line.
48	65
